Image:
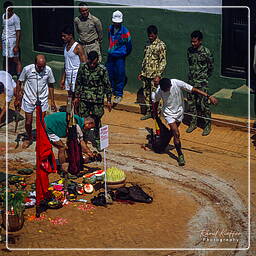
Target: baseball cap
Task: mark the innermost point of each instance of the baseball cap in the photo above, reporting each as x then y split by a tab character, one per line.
117	17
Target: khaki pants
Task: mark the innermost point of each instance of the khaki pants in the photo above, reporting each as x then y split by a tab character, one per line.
93	47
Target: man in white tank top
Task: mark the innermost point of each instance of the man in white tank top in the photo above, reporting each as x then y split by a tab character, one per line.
74	55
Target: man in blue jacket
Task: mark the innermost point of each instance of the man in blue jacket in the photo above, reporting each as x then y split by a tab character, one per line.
120	47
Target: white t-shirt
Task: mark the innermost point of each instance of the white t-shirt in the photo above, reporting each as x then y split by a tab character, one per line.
36	83
173	103
13	24
9	84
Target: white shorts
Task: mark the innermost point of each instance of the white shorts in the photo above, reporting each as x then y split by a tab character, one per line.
70	83
170	119
29	108
53	137
7	48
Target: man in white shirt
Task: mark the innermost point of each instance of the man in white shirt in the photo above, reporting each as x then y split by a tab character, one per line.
8	87
38	82
11	37
170	91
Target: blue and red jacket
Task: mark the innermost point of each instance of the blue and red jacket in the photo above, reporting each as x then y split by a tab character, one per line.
120	43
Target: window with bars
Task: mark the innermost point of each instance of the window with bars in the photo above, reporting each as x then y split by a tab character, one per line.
235	41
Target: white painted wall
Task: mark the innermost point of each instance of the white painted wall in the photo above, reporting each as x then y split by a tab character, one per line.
206	6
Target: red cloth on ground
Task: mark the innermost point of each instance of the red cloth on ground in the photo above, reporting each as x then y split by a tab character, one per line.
45	160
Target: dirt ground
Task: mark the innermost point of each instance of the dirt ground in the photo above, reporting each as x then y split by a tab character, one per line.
198	209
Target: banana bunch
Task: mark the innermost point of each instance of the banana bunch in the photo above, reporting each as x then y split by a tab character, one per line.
114	174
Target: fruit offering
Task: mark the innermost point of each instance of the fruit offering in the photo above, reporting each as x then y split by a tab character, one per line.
115	174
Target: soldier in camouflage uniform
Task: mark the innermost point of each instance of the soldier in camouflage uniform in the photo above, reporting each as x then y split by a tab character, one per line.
153	66
200	62
92	84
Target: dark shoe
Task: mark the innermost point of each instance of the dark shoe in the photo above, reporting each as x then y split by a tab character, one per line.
191	128
147	116
206	130
181	160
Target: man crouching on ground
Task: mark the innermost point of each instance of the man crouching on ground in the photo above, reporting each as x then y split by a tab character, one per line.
170	91
56	128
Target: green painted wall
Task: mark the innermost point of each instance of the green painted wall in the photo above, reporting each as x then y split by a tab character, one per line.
174	29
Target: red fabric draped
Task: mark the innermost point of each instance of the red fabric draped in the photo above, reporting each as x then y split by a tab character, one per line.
45	160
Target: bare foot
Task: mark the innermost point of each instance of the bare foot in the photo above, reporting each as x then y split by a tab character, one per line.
26	143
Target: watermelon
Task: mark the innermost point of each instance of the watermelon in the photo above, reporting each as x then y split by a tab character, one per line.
88	188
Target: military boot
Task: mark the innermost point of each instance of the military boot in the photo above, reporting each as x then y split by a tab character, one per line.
181	160
207	130
191	127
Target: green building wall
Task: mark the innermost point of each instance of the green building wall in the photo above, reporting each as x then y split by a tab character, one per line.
174	29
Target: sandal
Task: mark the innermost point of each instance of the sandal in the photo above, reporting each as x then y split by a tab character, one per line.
26	143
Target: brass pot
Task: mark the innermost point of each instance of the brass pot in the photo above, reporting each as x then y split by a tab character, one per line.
15	222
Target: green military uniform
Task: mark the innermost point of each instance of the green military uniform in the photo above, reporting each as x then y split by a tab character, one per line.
153	65
90	33
200	62
91	87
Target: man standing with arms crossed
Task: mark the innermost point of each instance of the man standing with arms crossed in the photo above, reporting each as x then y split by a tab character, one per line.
200	61
89	29
38	80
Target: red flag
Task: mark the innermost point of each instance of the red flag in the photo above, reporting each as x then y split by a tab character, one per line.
45	160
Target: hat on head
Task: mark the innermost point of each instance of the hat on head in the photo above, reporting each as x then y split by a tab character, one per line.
117	17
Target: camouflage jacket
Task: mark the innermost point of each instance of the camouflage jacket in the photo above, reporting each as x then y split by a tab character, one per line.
92	85
154	61
200	63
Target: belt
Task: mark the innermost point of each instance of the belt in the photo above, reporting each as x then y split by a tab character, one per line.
88	43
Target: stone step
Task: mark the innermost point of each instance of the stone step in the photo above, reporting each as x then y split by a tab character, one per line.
234	102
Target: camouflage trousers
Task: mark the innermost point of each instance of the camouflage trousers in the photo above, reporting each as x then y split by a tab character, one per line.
148	88
96	111
198	105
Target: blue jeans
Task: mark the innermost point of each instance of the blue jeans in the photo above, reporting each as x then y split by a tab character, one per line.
116	72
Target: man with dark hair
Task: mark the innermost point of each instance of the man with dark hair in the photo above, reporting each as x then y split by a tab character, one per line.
153	65
120	46
56	128
170	91
38	83
7	86
89	29
92	84
11	38
200	61
74	55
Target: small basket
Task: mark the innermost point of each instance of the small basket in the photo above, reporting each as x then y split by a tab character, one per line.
15	222
116	184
